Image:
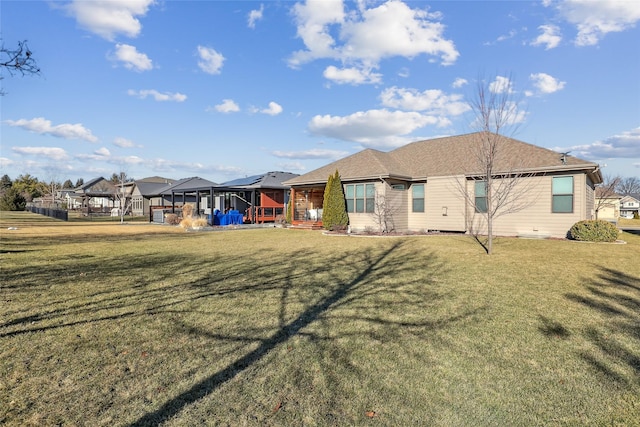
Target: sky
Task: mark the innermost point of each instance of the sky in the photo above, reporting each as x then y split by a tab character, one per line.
228	89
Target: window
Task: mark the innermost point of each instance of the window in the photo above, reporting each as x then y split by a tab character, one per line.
417	196
481	196
562	190
360	198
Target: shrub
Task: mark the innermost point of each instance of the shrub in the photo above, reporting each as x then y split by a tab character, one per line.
171	219
187	210
636	215
200	222
594	231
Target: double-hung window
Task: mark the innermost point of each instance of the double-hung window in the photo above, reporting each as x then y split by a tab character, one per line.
360	198
417	197
481	196
562	194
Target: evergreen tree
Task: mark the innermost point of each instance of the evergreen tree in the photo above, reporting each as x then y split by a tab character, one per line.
79	183
29	187
334	210
328	214
67	184
12	200
5	182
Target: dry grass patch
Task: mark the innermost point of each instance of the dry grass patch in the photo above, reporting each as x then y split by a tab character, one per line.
284	327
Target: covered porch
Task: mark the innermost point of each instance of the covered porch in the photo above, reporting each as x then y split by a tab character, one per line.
307	206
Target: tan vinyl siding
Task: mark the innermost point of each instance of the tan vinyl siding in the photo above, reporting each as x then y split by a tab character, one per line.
398	206
537	218
445	204
417	221
590	200
363	220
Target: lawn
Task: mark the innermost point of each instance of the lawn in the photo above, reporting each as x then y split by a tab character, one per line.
108	324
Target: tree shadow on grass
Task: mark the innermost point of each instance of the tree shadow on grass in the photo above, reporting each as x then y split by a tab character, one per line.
317	319
615	351
282	334
316	295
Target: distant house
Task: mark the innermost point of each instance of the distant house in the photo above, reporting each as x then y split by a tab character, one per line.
96	195
630	206
145	194
436	185
607	204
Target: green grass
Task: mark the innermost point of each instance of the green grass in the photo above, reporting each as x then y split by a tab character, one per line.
137	324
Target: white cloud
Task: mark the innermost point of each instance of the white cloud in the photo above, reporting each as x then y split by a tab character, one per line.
314	153
124	143
110	18
101	154
273	110
544	83
623	146
44	127
367	36
52	153
104	151
353	75
163	165
227	106
459	82
501	85
432	101
131	58
5	163
381	128
210	60
595	19
289	166
313	19
550	37
158	96
255	15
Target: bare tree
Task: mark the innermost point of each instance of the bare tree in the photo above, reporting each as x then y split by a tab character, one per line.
605	193
627	186
19	60
383	213
499	185
122	195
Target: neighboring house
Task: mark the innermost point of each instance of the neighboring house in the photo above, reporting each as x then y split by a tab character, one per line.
70	199
96	195
259	198
630	205
144	195
436	185
607	204
262	197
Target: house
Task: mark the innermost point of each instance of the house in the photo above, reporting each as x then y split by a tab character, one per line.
96	195
258	199
145	194
630	206
436	185
263	197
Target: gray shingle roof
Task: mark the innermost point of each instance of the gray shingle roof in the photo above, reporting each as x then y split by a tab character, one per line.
454	155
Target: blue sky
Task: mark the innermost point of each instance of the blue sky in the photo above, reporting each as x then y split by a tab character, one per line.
226	89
